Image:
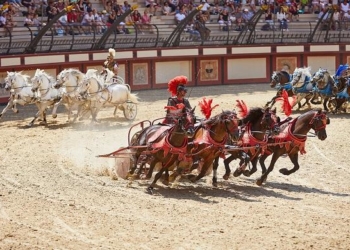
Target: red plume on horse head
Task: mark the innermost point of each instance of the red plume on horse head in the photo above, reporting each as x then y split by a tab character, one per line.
242	108
175	83
206	107
286	104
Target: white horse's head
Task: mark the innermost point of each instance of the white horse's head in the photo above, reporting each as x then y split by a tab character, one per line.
15	81
41	81
91	85
70	78
107	75
300	74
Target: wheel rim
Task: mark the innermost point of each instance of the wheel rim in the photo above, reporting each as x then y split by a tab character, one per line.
130	111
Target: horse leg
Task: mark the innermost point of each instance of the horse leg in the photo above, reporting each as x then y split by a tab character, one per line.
253	170
271	102
166	177
115	111
227	162
294	160
263	177
325	101
262	162
215	169
244	161
156	178
9	104
54	110
35	117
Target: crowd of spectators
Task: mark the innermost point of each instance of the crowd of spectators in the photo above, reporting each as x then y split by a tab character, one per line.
228	14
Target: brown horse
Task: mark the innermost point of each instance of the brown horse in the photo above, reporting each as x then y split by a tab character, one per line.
292	140
253	140
153	134
281	80
209	142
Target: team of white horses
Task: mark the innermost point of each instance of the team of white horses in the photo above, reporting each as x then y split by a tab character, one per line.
80	93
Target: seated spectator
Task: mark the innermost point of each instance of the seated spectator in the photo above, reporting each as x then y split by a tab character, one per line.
126	6
136	19
62	24
282	19
152	6
224	21
100	24
194	34
36	21
180	16
246	16
30	5
73	19
315	6
88	22
111	18
293	10
238	15
269	21
336	20
60	5
167	10
172	6
344	7
146	22
28	21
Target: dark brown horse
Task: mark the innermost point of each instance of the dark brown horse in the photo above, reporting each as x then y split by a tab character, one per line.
292	139
253	140
148	137
209	142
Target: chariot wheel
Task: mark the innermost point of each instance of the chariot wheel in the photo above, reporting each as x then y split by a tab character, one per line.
130	110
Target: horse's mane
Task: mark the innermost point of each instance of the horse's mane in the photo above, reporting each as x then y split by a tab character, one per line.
216	118
77	73
91	72
24	76
40	72
285	73
306	71
253	115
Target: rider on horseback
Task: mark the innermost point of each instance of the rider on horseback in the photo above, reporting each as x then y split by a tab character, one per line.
111	64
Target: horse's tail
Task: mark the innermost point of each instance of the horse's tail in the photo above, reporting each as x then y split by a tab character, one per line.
133	97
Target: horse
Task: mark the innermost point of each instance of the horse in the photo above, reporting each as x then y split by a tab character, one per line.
324	86
279	80
253	141
71	80
208	142
302	85
20	91
292	139
141	138
113	95
48	95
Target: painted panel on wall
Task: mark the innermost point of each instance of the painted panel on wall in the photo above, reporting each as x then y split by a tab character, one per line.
140	73
246	68
325	62
168	70
286	63
209	70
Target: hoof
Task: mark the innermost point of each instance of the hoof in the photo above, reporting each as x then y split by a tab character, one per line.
284	171
259	182
237	173
54	116
246	173
215	184
150	190
17	111
191	177
165	182
226	176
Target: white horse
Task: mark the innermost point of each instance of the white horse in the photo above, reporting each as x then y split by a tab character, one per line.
20	91
70	80
112	95
48	95
302	85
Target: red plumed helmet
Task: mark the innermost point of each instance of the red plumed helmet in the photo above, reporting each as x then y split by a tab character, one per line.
176	84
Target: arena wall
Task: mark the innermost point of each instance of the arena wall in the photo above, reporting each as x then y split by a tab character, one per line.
152	68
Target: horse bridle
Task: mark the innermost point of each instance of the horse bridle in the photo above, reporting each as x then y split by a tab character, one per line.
319	117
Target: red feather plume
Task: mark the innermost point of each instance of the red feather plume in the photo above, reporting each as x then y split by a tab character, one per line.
286	104
206	107
175	82
242	108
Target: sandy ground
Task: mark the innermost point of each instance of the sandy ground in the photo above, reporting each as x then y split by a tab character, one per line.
55	194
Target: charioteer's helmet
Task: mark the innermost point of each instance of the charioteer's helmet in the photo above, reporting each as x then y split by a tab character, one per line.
111	53
177	84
